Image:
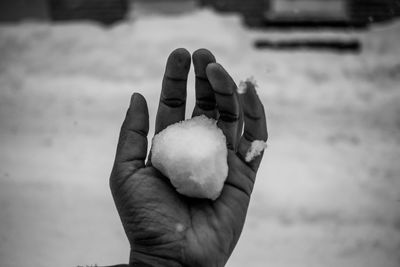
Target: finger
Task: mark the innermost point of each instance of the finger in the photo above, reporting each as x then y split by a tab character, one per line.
132	144
255	125
227	103
205	99
172	104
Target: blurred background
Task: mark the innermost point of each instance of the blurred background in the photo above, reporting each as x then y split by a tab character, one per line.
328	190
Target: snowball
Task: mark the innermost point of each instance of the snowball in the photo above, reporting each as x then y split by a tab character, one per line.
193	155
242	88
255	150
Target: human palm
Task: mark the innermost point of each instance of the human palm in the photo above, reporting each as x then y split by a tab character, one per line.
164	227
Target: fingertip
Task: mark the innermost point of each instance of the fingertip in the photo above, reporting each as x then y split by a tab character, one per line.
252	105
178	64
138	113
180	53
220	80
201	58
203	52
138	101
212	69
137	97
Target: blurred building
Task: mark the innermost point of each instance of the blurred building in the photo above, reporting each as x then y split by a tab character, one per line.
254	12
309	12
104	11
14	10
168	7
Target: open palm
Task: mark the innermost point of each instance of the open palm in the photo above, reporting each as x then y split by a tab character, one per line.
165	228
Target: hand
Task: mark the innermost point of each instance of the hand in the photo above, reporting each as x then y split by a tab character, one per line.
165	228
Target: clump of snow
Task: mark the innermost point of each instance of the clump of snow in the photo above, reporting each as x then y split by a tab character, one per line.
242	88
256	148
193	155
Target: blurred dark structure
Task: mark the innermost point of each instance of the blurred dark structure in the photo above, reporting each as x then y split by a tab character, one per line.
103	11
15	10
263	13
165	7
309	13
335	45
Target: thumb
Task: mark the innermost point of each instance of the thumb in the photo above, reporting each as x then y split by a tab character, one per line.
132	144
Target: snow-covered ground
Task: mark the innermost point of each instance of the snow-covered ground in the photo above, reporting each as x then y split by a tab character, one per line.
328	190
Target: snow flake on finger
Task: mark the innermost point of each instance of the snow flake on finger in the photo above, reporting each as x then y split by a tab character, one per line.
243	85
256	148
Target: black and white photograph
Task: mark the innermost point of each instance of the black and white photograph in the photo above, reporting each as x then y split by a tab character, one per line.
200	133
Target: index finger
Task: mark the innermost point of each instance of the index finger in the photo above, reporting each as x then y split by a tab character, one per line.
172	104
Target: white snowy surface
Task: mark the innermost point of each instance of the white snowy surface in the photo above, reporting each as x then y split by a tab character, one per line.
193	155
327	192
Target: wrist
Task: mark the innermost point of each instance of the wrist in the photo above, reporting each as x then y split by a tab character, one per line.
139	259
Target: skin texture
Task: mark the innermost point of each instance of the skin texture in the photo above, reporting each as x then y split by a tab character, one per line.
163	227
